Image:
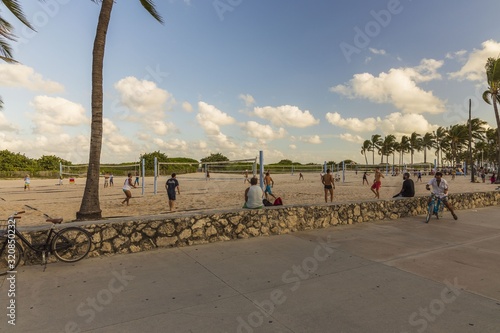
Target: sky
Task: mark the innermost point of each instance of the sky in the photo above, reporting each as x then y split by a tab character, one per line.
302	80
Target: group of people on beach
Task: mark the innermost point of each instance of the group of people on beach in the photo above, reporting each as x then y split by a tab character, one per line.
255	197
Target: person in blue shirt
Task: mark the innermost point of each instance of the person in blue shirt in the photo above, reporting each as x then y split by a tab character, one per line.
171	185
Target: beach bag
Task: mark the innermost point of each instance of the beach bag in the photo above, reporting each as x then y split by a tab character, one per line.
278	202
266	202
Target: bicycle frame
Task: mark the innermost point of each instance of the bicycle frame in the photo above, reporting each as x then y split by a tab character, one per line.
39	248
437	203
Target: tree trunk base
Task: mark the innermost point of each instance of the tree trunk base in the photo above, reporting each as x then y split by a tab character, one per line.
86	216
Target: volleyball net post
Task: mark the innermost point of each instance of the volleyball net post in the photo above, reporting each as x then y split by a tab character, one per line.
155	175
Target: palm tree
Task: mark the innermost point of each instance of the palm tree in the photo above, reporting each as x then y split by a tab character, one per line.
365	148
414	144
427	142
387	147
438	141
375	143
90	207
457	137
6	32
404	146
493	75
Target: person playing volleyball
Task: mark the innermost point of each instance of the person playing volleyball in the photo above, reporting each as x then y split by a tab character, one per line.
377	183
171	185
127	186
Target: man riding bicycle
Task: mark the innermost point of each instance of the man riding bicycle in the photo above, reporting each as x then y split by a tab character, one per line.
440	189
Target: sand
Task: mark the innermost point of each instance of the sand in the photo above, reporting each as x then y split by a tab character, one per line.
197	194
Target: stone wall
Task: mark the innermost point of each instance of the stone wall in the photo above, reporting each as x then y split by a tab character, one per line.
134	234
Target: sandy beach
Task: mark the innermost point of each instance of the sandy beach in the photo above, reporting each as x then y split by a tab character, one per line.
197	194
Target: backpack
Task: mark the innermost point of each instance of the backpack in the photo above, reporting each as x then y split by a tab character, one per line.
278	202
266	202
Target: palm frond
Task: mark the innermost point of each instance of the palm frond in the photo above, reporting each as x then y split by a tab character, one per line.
486	96
150	7
15	8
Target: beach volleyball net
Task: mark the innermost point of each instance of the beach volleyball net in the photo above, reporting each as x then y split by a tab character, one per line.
168	168
80	170
230	168
292	169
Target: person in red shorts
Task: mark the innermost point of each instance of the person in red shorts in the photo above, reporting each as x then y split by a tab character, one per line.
377	183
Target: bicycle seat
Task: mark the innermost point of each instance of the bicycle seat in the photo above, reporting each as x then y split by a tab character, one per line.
55	221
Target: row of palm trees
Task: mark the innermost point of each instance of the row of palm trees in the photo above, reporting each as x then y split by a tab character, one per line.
450	145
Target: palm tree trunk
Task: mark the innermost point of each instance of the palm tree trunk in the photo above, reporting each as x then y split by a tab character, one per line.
90	207
497	117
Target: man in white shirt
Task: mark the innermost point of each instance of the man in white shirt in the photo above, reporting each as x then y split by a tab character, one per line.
440	189
253	195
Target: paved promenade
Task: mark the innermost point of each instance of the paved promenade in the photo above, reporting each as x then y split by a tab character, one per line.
390	276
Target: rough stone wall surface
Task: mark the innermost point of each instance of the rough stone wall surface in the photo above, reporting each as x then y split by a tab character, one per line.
146	233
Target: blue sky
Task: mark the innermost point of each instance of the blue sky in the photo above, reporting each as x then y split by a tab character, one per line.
302	80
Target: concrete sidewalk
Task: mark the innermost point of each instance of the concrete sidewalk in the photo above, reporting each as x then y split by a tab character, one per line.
391	276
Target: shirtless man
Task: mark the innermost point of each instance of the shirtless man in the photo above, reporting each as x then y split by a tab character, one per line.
329	184
377	183
269	183
245	174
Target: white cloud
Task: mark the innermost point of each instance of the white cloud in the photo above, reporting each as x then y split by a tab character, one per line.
353	124
5	126
248	99
375	51
313	139
286	115
473	69
53	112
210	118
397	87
163	127
395	123
17	75
404	124
187	107
176	145
143	97
222	141
113	141
292	146
351	138
263	132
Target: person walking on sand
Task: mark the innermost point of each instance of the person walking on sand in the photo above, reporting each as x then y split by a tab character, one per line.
301	176
245	174
27	182
268	183
111	180
329	184
365	179
377	183
171	185
419	176
127	186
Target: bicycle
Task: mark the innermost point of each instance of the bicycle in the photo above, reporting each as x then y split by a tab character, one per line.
69	244
435	207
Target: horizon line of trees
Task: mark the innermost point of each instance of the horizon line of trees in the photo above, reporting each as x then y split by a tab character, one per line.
450	145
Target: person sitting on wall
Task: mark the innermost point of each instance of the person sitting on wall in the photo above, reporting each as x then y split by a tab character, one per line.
253	195
408	189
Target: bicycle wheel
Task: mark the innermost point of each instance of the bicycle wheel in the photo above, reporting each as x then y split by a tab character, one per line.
71	244
10	257
430	211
